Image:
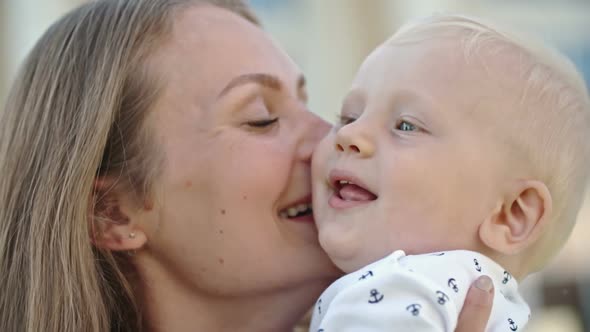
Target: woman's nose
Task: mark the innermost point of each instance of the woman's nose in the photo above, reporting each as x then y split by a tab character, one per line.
355	140
315	129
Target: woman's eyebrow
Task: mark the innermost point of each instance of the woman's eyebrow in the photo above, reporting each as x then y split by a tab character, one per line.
266	80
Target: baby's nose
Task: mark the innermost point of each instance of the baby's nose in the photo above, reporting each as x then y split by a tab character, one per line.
352	139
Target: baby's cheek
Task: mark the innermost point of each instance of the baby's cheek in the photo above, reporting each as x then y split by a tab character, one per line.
328	239
325	148
319	160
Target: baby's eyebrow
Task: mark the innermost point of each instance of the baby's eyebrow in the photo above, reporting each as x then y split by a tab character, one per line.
266	80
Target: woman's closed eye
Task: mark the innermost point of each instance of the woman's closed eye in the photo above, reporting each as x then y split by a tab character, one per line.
262	123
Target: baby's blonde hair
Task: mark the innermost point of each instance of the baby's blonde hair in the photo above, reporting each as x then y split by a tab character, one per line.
550	123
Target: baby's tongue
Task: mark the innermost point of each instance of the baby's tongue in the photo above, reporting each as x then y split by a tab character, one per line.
352	192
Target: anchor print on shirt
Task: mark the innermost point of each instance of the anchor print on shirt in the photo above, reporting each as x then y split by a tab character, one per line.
320	306
513	326
442	298
507	277
414	309
376	297
365	276
453	284
477	266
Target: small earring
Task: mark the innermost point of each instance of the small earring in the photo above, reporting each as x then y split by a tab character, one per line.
132	235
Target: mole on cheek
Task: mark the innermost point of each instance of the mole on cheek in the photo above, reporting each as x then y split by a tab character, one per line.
221	231
245	197
188	184
222	211
221	261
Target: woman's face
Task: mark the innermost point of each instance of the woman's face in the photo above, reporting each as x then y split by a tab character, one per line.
237	139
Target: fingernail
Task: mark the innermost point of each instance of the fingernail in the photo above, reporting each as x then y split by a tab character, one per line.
484	283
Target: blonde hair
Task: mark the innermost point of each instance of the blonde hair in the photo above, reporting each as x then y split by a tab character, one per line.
76	112
550	124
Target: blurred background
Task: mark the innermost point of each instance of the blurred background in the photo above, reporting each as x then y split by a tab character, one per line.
330	38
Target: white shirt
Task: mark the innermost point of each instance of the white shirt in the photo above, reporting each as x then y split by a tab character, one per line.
417	293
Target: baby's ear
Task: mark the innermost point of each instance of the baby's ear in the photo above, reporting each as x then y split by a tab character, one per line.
519	219
112	217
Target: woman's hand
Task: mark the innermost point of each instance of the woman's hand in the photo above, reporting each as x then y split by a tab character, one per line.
478	305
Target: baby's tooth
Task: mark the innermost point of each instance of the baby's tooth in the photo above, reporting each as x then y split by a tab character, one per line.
302	207
292	212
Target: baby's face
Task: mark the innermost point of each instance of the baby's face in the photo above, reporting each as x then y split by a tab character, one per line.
411	164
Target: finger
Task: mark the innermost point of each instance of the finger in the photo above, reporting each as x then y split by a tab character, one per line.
478	306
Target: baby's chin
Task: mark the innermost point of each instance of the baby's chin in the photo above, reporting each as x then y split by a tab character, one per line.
347	253
348	264
357	261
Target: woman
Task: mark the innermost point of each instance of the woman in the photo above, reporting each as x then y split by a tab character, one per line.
155	176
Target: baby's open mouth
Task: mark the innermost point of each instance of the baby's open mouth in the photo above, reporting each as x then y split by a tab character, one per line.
351	192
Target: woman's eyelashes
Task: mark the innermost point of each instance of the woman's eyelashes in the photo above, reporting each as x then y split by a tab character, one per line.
259	124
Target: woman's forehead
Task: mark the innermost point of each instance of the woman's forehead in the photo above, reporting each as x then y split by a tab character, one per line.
211	46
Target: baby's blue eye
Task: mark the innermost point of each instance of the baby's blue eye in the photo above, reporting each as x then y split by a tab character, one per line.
406	126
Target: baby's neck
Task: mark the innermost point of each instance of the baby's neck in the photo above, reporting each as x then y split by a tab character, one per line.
514	264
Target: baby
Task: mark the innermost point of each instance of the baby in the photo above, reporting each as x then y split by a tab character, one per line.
461	150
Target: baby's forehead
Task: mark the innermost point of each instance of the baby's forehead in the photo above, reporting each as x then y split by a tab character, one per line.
440	68
454	54
486	54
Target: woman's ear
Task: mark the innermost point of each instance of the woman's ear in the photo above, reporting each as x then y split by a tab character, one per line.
519	219
113	217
